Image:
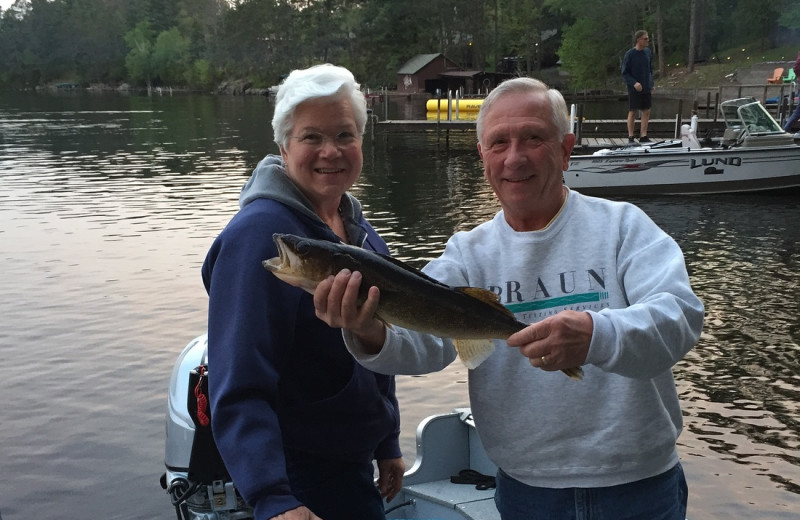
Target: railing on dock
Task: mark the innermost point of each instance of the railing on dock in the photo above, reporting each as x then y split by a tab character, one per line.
702	102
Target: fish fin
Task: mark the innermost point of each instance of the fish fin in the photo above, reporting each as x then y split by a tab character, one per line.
473	352
576	373
385	323
485	296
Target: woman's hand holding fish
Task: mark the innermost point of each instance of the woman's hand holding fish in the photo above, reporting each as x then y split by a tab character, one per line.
555	343
336	303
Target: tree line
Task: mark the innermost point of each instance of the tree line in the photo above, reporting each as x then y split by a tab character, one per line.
199	43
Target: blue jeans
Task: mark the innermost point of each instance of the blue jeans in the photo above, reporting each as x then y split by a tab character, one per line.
335	490
662	497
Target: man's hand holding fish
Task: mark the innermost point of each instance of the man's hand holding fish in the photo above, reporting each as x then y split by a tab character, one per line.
557	342
336	303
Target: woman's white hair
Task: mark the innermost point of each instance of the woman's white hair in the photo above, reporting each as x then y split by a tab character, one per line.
523	86
324	81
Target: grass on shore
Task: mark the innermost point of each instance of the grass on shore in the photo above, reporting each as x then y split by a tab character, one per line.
719	69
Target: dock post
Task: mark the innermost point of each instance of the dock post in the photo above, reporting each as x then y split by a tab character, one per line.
779	104
449	105
438	112
572	116
678	119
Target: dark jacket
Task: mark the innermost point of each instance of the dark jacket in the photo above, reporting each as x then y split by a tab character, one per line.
637	66
279	378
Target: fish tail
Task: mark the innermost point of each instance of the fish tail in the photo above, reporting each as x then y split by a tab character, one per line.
473	352
576	373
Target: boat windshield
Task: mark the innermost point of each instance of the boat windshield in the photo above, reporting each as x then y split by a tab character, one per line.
748	113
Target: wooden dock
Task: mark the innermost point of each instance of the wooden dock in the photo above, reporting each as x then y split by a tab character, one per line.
588	131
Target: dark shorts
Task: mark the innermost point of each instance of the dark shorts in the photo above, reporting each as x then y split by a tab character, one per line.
639	100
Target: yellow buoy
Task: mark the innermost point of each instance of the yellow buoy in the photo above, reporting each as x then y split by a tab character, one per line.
464	105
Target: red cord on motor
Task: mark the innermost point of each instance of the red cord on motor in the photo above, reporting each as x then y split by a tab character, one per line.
202	400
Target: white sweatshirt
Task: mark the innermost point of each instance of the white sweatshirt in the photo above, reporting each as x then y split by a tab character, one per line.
621	422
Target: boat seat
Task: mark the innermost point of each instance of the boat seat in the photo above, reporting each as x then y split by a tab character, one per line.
777	76
688	139
446	445
784	139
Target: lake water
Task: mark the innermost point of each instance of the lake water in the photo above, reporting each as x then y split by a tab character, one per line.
109	203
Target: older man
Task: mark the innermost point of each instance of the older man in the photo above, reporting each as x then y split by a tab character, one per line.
603	288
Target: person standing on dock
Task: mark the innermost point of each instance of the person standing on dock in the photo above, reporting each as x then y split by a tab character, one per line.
637	70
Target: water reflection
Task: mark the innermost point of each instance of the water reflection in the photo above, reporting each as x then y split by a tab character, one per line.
108	205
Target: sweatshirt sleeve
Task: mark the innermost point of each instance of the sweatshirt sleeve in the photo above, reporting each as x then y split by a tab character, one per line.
405	352
389	447
246	330
663	318
409	352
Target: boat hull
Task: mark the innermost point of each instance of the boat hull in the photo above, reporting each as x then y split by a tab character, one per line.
683	171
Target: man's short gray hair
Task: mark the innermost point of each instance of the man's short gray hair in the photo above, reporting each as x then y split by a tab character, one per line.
527	86
324	81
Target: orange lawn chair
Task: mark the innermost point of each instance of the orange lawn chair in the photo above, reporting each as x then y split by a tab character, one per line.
777	76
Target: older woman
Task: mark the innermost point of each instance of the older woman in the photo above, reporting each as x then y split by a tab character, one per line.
297	421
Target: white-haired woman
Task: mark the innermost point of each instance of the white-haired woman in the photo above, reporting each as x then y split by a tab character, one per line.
297	421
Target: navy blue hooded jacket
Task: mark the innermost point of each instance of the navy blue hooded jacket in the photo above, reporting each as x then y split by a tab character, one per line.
280	378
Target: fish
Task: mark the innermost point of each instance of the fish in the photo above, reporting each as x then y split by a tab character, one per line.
470	316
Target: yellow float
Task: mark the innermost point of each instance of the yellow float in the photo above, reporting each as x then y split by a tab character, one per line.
464	105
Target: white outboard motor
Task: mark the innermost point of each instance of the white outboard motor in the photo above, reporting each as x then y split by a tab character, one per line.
196	479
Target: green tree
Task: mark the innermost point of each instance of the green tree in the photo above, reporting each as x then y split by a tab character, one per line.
789	16
259	39
139	61
170	57
95	52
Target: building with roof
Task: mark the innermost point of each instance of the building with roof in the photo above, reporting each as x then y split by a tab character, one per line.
432	72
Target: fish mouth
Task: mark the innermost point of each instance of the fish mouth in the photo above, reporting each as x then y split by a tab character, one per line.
294	263
286	258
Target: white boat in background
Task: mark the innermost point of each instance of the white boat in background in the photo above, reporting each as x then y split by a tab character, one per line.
754	154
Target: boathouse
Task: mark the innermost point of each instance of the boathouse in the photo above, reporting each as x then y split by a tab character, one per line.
429	72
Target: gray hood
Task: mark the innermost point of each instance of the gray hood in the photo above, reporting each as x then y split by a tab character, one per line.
270	181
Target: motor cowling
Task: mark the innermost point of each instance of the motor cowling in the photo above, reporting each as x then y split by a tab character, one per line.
196	478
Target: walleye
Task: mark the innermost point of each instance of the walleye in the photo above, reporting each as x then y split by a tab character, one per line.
470	316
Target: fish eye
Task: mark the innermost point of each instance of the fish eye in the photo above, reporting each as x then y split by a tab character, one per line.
303	247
